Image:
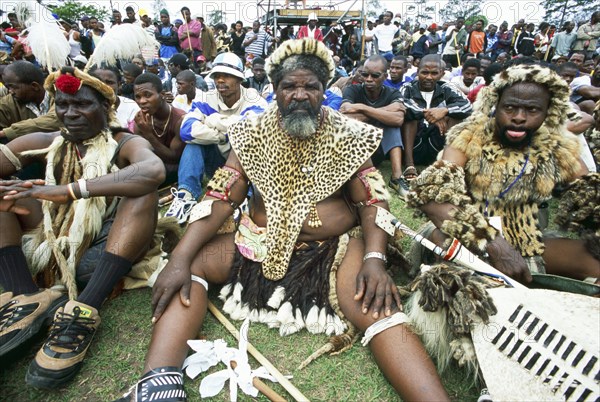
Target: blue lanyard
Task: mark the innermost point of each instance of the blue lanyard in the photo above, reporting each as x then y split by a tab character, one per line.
507	189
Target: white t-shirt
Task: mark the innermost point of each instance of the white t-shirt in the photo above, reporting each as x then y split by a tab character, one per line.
126	112
427	96
181	101
385	36
460	84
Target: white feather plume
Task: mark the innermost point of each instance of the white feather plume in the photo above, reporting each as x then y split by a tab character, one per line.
26	10
48	44
121	42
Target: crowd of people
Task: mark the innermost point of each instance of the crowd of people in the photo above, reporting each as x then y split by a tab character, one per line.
270	145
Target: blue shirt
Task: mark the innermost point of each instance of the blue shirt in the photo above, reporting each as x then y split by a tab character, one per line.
397	85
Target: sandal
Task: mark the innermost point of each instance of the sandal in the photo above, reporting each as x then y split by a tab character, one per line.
161	384
410	173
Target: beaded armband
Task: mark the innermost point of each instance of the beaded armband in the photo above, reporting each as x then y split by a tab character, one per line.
444	182
374	184
220	185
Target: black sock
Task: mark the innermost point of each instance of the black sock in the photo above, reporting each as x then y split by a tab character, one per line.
14	272
111	268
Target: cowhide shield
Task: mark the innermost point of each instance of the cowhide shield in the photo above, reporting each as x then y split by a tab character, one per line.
543	345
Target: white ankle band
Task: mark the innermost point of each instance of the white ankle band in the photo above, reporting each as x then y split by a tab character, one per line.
382	325
200	281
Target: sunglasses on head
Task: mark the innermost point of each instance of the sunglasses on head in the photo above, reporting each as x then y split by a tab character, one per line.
364	74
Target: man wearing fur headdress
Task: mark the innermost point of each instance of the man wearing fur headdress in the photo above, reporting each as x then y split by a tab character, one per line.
296	258
95	173
499	166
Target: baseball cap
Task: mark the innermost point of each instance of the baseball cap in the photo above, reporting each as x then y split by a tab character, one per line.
80	58
312	16
142	12
228	63
178	21
179	59
423	26
201	58
433	26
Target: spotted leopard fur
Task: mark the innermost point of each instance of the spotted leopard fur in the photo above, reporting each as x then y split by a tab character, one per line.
271	159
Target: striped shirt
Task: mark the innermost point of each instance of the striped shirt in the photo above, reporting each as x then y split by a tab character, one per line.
257	47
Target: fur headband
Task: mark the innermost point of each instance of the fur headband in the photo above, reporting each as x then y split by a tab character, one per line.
559	107
70	80
305	46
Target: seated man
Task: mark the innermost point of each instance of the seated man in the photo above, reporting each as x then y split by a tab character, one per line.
29	108
586	91
381	106
398	76
470	78
432	107
205	128
186	88
498	166
158	122
259	80
313	181
125	108
95	172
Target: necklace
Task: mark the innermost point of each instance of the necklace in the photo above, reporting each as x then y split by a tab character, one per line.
165	126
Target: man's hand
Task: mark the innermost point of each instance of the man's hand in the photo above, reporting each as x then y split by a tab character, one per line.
35	189
435	114
376	289
351	108
144	125
175	277
442	125
2	135
8	188
508	260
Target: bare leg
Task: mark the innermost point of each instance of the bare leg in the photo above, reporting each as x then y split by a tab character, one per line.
409	133
179	323
13	225
133	227
570	258
396	160
398	352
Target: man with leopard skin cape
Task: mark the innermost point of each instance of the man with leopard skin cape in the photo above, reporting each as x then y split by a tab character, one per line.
291	262
499	165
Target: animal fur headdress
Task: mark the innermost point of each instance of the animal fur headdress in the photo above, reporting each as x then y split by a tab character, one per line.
69	80
278	61
559	108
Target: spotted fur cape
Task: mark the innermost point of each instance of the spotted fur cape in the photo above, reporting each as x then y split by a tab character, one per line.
278	166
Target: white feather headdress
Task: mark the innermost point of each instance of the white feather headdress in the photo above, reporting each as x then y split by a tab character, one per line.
48	44
120	42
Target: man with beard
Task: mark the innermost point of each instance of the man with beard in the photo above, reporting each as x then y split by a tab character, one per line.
499	166
83	226
28	108
312	181
205	129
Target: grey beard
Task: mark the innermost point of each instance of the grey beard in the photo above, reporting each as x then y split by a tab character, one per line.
300	125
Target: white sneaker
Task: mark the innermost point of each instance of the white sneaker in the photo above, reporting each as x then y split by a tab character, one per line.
181	207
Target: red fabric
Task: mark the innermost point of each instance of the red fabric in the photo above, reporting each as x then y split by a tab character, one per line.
303	33
473	93
68	84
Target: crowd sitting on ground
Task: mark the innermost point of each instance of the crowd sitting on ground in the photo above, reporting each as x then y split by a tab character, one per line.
183	117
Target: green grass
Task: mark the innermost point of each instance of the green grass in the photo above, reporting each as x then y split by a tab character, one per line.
116	357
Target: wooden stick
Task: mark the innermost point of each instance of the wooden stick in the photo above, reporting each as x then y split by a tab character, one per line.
285	383
262	387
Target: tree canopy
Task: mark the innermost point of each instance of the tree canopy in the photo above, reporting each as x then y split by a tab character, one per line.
560	11
74	10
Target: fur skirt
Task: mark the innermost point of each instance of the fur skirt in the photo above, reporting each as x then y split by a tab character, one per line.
304	298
